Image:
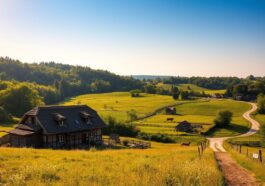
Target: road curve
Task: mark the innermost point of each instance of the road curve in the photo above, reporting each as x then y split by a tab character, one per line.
216	144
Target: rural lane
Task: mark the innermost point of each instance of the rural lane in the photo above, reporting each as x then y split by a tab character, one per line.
216	144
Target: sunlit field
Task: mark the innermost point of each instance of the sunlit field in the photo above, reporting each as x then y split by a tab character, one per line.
256	138
161	165
191	87
204	113
117	104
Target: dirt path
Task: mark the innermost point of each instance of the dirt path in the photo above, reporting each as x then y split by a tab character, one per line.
234	174
217	143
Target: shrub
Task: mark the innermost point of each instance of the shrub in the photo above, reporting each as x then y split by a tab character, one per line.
125	142
261	103
115	126
132	115
223	118
135	93
156	137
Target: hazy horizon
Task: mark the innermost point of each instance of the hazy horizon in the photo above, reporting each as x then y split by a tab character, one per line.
183	38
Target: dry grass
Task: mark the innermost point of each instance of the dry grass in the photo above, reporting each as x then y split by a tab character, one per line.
162	165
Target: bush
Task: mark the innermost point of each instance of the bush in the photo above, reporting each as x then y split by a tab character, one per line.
156	137
114	126
261	103
223	118
19	99
135	93
125	142
132	115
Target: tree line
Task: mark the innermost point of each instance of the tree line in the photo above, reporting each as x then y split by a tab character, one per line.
50	83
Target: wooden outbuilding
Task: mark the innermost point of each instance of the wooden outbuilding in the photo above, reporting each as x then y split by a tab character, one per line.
184	126
77	126
171	110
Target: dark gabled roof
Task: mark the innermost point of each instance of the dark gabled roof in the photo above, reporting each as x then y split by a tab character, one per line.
184	123
73	121
20	132
47	117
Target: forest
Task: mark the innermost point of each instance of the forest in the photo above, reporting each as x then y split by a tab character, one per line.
25	85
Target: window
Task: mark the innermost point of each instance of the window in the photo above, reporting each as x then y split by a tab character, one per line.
60	123
98	132
61	138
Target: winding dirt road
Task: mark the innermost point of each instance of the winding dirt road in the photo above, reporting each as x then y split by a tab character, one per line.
216	144
234	174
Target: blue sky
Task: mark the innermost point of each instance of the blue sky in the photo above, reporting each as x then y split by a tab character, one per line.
158	37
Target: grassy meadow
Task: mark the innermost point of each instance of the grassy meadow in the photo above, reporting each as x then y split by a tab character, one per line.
203	112
117	104
191	87
164	164
256	138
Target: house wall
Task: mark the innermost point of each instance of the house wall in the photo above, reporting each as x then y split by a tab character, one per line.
26	141
73	140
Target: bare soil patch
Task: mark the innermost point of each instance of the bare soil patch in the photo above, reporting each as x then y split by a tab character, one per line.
234	174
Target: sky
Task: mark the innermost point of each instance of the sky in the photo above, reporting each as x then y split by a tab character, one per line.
139	37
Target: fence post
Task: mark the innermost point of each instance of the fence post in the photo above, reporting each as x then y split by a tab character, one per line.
240	149
247	152
199	151
260	156
202	148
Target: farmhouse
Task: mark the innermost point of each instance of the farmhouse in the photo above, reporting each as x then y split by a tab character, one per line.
184	126
171	110
217	96
68	127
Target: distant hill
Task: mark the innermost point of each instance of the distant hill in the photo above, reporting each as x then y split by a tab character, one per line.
149	77
71	80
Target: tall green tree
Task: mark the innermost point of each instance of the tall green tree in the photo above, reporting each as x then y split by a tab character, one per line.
19	99
261	103
223	118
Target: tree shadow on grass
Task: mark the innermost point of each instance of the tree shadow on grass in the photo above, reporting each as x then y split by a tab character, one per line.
232	129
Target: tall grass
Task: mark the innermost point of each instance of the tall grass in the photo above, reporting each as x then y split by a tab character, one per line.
164	165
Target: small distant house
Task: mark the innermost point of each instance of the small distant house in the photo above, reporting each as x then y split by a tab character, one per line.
239	97
77	126
171	110
217	96
184	126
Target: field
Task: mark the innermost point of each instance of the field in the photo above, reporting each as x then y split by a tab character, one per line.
202	112
117	104
161	165
256	137
191	87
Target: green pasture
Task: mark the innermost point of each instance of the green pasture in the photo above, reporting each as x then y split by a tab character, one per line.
202	113
117	104
191	87
256	137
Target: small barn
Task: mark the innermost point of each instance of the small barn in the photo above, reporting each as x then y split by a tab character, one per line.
184	126
77	126
171	110
217	96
